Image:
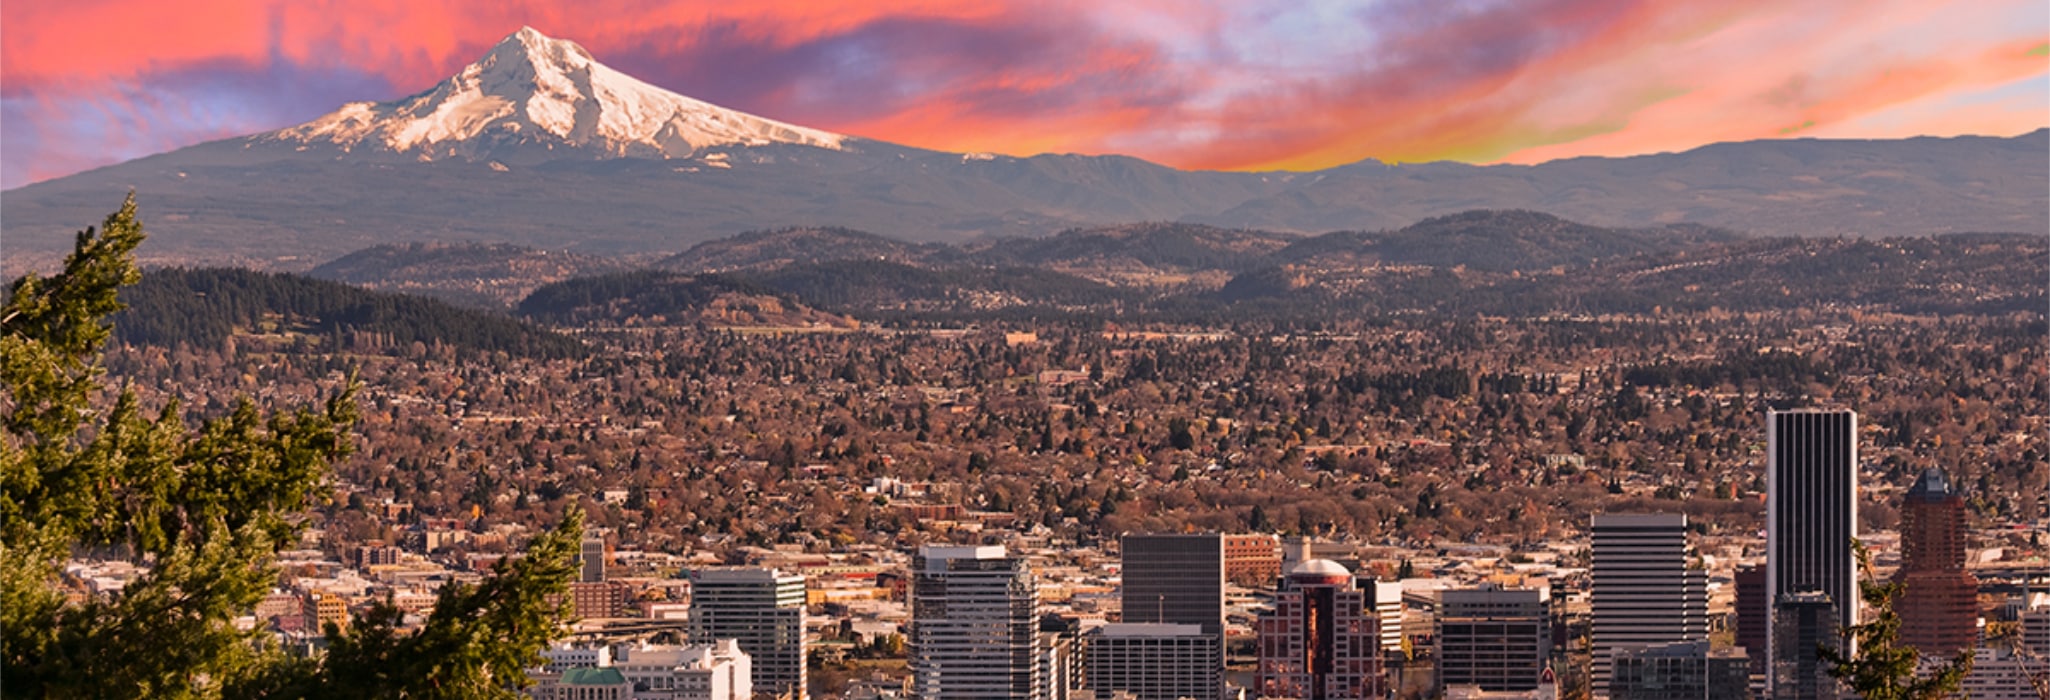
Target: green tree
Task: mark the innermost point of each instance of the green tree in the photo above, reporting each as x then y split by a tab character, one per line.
1882	668
478	641
206	509
205	506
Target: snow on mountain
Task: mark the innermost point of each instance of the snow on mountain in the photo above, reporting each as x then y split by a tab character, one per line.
531	90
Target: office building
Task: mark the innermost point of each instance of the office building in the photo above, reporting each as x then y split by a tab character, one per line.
1155	661
1998	673
1939	608
1803	622
1811	516
1385	597
1322	640
1643	591
1060	664
1171	584
1754	622
1494	638
2035	632
599	599
1689	669
761	609
1174	579
974	625
591	559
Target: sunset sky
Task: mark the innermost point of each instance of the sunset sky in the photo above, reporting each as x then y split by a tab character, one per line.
1287	84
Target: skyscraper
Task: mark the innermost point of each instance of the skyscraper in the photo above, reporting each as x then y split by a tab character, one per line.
764	610
1939	608
1643	592
1174	579
1171	644
1754	626
1493	638
591	559
974	625
1803	622
1811	516
1322	640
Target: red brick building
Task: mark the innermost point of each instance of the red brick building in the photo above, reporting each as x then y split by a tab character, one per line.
1939	610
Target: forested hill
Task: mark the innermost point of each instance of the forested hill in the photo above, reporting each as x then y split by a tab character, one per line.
657	297
206	307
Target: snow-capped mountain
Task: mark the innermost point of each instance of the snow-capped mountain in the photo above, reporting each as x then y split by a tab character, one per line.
531	90
540	145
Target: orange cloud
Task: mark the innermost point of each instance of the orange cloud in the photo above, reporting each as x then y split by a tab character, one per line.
1256	84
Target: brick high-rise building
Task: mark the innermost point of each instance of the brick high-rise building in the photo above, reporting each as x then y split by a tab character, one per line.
1322	639
1939	608
1252	559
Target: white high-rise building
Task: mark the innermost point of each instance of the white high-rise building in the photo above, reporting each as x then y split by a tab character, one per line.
762	609
1643	592
974	625
1386	597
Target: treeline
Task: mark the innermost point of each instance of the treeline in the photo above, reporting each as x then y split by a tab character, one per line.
618	296
206	307
1772	368
873	284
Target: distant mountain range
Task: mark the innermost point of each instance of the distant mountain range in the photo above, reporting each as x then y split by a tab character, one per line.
540	145
1509	263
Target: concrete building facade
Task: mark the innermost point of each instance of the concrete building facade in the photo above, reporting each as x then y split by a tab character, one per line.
761	609
1494	638
974	625
1643	591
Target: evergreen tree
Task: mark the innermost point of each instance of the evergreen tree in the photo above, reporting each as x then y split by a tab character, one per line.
1883	668
205	509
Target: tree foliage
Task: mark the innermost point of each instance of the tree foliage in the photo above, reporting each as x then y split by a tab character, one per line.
204	508
1882	668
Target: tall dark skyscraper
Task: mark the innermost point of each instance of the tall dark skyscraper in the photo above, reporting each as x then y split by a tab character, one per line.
591	559
1174	578
1939	608
1171	644
1811	515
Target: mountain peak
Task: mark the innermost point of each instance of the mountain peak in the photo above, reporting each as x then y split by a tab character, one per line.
532	92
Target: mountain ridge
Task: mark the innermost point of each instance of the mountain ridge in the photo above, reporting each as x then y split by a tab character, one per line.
593	175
